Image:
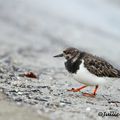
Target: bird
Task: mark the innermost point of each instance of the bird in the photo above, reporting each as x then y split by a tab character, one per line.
88	69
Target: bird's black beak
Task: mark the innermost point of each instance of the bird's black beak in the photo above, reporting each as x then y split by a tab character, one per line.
60	55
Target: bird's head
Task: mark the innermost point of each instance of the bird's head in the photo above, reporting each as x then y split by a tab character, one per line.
70	54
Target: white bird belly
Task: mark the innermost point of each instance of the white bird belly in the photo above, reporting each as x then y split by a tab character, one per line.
85	77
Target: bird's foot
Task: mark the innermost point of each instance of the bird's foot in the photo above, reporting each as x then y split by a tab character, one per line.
74	90
89	95
77	89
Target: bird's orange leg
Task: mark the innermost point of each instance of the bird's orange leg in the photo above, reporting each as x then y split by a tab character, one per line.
77	89
93	94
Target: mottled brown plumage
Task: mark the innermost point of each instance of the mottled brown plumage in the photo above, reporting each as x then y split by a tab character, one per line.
100	67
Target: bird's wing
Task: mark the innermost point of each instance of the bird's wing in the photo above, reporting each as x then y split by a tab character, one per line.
100	67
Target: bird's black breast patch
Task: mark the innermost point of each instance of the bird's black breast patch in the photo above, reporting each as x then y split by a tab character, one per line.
72	67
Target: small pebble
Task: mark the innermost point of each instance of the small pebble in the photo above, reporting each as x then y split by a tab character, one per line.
88	109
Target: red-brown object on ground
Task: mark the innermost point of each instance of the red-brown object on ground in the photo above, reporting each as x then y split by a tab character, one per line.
29	75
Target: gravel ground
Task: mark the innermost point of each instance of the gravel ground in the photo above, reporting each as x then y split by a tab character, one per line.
10	111
32	32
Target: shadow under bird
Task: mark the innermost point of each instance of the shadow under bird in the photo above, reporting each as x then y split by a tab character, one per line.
88	69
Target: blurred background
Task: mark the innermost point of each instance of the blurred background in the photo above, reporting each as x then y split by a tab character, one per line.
32	31
52	25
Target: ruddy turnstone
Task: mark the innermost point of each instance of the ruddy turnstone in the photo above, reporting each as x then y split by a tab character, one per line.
88	69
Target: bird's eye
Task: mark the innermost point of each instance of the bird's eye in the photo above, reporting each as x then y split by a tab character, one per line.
65	52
